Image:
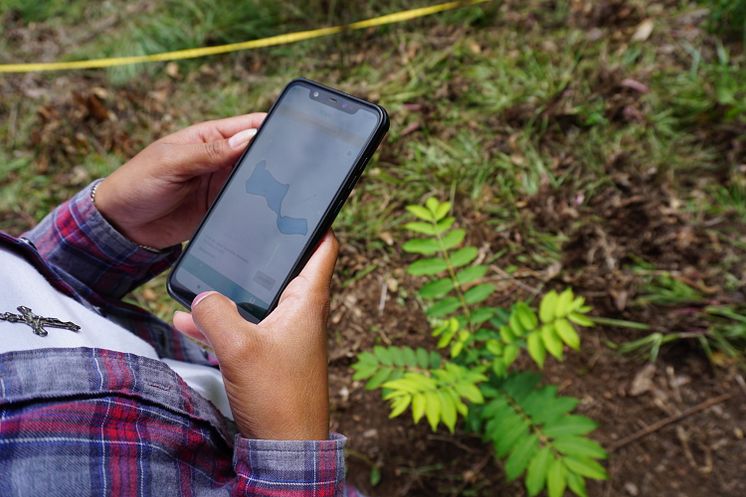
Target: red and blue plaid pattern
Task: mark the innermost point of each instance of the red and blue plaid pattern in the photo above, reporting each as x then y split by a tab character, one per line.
96	422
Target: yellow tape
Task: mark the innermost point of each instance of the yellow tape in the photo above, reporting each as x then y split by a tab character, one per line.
191	53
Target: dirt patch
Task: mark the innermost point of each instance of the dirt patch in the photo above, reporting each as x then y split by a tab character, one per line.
699	455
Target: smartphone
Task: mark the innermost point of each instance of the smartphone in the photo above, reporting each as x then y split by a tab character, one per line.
281	198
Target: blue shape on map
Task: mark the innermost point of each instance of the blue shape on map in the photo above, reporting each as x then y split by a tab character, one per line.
262	183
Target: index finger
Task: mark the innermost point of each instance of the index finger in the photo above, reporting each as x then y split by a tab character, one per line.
219	129
317	274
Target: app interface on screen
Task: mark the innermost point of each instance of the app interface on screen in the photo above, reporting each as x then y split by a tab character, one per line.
275	200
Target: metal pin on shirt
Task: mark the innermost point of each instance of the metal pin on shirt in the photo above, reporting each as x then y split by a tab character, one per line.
38	324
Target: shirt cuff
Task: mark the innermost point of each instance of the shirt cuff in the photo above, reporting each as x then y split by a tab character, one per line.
297	467
78	239
115	244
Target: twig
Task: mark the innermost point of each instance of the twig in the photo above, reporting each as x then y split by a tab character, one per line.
453	441
505	275
741	383
669	420
384	295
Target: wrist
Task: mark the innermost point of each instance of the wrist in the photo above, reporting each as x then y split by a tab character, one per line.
299	429
100	202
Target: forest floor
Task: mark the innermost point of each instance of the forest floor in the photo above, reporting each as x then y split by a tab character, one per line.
594	144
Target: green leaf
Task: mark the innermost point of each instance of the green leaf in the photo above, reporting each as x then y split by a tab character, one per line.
494	347
422	228
399	405
526	316
536	474
577	303
432	204
410	383
479	316
448	411
579	446
395	375
471	274
551	341
520	457
435	360
375	476
586	467
421	213
547	306
499	367
470	392
443	307
442	210
364	371
515	324
556	478
443	225
383	355
456	348
507	334
576	484
564	303
536	348
436	289
423	359
446	338
426	246
367	358
567	333
552	408
453	239
509	435
463	256
427	267
479	293
460	406
397	356
569	425
432	409
410	359
510	354
418	407
580	320
378	379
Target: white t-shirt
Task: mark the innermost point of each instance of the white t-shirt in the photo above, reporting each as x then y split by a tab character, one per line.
27	287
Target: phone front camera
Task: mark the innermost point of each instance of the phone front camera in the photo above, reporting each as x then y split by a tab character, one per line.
315	94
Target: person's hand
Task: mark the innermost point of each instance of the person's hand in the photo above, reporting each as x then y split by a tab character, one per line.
159	197
275	373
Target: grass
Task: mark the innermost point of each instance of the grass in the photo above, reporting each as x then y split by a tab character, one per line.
495	109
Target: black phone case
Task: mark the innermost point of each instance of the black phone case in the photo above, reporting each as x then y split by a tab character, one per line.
328	217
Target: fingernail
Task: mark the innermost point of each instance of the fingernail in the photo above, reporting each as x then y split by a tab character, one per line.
199	297
182	313
241	138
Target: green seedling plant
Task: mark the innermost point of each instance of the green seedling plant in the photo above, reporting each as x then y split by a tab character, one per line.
722	337
474	377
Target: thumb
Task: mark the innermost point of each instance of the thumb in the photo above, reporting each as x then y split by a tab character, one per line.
217	317
200	158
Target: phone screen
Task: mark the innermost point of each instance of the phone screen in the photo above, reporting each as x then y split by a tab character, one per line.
274	202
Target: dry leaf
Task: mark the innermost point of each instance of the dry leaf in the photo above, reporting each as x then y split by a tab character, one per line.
635	85
644	30
172	69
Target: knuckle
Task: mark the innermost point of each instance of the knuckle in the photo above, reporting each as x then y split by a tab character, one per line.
214	150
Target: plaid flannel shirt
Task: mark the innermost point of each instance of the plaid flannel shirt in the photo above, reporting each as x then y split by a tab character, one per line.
96	422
